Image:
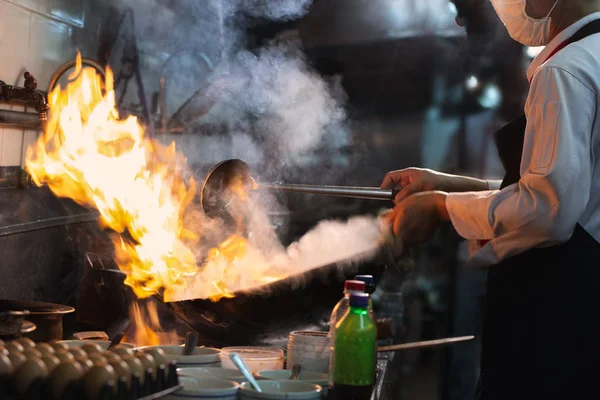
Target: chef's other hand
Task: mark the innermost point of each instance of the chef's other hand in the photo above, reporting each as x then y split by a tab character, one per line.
413	180
416	218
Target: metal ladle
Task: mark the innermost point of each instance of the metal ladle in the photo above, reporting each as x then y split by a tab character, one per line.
224	182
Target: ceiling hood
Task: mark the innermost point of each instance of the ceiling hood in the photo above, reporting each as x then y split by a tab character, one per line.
335	23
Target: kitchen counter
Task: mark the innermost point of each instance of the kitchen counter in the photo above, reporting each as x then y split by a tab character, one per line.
30	209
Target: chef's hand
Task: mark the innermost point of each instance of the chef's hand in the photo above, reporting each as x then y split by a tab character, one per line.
413	180
416	218
416	180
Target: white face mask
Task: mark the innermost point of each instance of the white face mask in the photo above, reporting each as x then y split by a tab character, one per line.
521	27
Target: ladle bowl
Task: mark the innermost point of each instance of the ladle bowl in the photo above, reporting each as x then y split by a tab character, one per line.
225	182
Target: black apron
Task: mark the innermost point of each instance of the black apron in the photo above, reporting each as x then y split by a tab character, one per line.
542	315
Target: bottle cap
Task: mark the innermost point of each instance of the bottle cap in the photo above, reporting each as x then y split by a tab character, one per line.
358	286
369	282
359	300
368	279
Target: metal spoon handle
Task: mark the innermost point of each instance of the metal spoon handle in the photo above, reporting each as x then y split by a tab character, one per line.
191	340
239	362
296	371
373	193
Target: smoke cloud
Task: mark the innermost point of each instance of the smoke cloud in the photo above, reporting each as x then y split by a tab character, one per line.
291	109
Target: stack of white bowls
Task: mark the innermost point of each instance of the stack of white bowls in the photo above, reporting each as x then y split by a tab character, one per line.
310	349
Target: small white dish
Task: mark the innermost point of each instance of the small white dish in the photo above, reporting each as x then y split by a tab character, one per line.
200	357
257	358
281	390
212	372
205	389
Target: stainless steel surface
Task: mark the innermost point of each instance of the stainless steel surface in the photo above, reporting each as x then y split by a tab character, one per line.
239	362
26	210
356	192
25	120
427	343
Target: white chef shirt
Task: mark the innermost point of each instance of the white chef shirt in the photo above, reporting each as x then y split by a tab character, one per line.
560	167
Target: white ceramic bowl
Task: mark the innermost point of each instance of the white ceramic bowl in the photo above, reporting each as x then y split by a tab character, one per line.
200	357
281	390
212	372
316	378
102	343
256	358
205	389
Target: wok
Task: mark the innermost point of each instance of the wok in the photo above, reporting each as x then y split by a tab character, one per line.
250	318
247	318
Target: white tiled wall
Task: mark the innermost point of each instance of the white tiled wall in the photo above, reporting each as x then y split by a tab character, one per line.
40	35
37	36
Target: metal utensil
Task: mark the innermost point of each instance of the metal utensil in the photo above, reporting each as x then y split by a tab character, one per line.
117	330
191	340
241	365
296	371
427	343
116	339
228	180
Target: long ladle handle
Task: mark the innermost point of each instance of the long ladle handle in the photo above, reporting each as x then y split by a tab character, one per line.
372	193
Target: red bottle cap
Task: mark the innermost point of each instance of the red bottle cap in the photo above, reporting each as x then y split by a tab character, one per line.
354	285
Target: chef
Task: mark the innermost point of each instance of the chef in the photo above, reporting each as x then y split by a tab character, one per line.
538	230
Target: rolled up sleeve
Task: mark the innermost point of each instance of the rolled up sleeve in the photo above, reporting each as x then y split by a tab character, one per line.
556	168
469	214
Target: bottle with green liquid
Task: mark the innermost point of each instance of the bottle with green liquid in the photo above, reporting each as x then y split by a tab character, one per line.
355	352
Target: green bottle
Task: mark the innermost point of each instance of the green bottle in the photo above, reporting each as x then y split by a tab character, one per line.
355	352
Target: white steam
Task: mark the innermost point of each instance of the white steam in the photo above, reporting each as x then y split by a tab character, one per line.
340	243
292	108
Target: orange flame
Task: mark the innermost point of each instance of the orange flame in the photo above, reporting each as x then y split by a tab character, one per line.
87	153
148	333
91	155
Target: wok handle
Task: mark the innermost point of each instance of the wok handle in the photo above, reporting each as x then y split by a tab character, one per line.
357	192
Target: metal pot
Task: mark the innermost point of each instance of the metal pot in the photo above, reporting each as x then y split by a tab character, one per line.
47	318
